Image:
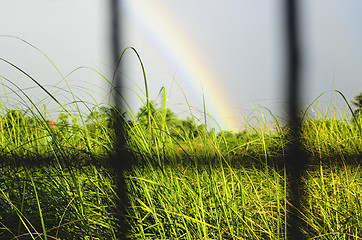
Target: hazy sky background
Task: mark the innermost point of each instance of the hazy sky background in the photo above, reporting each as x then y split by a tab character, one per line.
232	52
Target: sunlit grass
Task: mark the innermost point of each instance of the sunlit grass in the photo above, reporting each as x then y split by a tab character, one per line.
187	181
209	202
333	207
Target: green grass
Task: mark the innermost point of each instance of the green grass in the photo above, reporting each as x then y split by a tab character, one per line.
208	202
333	207
187	182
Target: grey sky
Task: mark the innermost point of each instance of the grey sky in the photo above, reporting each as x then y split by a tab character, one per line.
238	43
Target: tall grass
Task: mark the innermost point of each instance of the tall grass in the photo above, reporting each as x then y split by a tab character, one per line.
209	202
55	184
333	207
332	135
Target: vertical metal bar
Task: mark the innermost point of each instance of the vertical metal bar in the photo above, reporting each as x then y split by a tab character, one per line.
296	160
115	9
120	161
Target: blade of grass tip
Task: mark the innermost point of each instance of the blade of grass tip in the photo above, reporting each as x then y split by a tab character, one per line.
331	103
205	122
100	74
187	102
353	114
36	82
10	36
204	105
316	99
142	66
6	95
146	85
273	116
212	119
144	77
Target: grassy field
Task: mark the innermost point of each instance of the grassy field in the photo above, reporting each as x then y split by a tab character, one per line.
186	181
55	183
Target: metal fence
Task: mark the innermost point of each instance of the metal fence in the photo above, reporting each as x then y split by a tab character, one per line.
296	161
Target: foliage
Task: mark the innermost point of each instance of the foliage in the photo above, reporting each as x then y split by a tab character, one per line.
164	119
357	102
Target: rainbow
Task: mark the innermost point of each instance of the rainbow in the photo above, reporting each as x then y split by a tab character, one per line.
159	25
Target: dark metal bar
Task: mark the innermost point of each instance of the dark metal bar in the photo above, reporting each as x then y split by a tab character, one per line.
296	160
120	161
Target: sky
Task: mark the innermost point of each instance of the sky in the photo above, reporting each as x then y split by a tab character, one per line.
225	57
